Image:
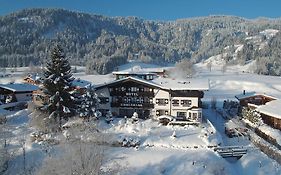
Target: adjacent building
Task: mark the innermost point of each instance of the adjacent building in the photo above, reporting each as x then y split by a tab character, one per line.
267	106
271	113
150	95
253	99
16	92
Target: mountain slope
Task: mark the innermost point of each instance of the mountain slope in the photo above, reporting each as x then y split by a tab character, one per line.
102	42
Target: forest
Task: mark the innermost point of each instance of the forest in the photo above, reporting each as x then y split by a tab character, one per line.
101	43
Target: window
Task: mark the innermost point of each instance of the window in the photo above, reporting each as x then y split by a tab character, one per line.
181	114
146	89
186	102
189	116
161	101
104	100
134	89
115	99
161	112
194	116
199	115
175	102
140	100
134	100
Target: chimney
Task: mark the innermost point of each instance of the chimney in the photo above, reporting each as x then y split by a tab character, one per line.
244	92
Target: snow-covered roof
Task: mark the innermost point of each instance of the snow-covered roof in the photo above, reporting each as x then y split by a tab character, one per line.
182	84
166	83
80	83
272	108
129	78
139	66
19	87
34	77
133	73
252	94
138	70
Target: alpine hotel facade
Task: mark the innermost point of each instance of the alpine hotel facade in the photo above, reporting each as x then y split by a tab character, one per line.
140	93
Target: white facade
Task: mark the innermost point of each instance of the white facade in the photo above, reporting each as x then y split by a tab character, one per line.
162	102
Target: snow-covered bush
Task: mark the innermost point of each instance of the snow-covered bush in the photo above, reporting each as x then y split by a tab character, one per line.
135	117
109	117
75	158
231	107
129	142
37	136
174	135
42	122
98	114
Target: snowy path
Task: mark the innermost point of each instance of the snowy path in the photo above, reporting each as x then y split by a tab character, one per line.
255	161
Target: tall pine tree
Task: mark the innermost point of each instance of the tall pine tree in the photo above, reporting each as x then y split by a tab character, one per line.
57	82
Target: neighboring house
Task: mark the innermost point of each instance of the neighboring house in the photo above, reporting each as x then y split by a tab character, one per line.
143	73
253	99
33	79
267	106
16	92
271	113
160	96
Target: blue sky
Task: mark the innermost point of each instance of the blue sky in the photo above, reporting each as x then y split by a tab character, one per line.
155	9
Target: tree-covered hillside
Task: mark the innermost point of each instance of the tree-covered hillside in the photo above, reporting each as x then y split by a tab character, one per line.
104	42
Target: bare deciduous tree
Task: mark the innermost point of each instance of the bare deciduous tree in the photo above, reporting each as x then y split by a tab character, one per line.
224	68
185	67
42	122
79	158
209	66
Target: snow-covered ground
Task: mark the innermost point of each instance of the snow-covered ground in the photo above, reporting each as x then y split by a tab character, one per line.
159	152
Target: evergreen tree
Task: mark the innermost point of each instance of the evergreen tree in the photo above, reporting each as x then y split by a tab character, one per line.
58	78
88	103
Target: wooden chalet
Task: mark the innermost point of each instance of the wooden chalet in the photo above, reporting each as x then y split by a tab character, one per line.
267	106
253	99
271	113
34	79
16	92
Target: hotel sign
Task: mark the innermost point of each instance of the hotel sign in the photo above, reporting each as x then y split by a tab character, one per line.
133	94
130	105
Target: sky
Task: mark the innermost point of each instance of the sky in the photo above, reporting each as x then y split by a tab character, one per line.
155	9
